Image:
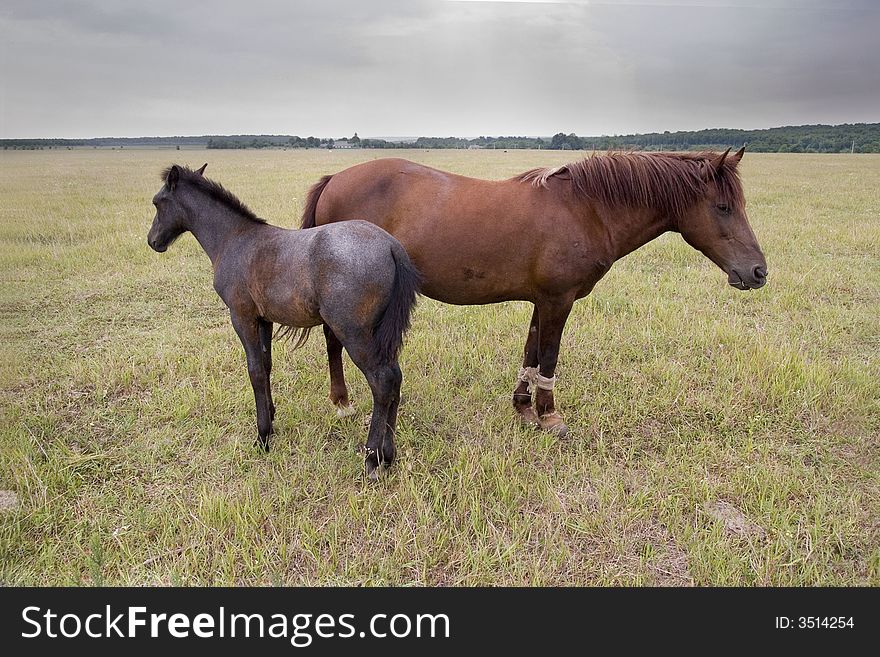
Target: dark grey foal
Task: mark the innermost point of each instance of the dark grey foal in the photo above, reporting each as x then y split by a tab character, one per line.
352	277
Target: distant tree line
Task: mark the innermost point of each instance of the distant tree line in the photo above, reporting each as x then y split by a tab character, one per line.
103	142
857	137
268	141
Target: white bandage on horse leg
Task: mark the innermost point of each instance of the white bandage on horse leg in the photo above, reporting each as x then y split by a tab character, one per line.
528	375
543	382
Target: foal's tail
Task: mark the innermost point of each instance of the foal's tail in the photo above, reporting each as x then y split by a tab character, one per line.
394	322
308	218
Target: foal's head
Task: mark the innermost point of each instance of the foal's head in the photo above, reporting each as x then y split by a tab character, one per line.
170	220
718	226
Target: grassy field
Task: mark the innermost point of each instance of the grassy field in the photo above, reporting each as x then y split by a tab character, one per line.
717	437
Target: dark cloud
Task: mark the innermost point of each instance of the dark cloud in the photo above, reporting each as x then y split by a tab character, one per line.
430	67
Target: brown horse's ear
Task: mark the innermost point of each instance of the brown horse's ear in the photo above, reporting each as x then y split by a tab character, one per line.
201	171
173	176
718	162
736	157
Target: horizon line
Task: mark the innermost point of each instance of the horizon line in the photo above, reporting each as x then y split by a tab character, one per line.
412	138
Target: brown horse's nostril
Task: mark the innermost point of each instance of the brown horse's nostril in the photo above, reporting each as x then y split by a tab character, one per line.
759	274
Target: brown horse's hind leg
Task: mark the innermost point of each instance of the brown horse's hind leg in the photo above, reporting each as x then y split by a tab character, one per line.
552	321
338	389
522	395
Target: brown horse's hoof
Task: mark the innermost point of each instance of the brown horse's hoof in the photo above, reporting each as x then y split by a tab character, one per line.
345	410
527	415
553	423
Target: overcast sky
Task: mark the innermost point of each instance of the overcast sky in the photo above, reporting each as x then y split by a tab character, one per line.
87	68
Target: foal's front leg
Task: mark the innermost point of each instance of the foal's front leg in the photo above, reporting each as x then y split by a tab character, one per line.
266	350
249	330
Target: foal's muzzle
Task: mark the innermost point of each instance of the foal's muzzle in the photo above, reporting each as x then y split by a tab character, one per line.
158	248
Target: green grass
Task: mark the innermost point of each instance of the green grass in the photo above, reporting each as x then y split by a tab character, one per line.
717	437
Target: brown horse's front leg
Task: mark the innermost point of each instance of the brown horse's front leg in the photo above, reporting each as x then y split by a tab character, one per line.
248	329
552	321
522	394
338	389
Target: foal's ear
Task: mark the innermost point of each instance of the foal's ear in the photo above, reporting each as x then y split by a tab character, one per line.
736	157
201	171
173	176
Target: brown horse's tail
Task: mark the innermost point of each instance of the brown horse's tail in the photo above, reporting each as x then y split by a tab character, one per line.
308	218
390	328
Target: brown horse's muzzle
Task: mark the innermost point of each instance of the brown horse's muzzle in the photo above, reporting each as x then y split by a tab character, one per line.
748	278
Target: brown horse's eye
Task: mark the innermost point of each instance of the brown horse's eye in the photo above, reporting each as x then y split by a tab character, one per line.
723	208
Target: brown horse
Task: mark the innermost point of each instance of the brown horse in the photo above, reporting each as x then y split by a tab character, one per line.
545	236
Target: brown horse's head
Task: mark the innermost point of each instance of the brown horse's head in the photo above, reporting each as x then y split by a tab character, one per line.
719	228
170	220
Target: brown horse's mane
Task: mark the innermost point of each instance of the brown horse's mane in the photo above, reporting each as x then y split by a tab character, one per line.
215	190
669	181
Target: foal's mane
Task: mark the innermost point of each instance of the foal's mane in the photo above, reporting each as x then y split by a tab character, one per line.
669	181
215	190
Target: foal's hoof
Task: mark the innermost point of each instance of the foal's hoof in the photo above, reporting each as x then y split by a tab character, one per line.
553	423
343	410
262	443
372	468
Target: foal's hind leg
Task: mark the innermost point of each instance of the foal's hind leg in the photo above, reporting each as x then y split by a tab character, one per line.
384	380
522	395
338	389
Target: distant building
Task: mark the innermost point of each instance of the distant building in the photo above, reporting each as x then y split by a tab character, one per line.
342	143
474	147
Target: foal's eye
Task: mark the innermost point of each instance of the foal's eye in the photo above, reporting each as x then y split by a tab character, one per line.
723	208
